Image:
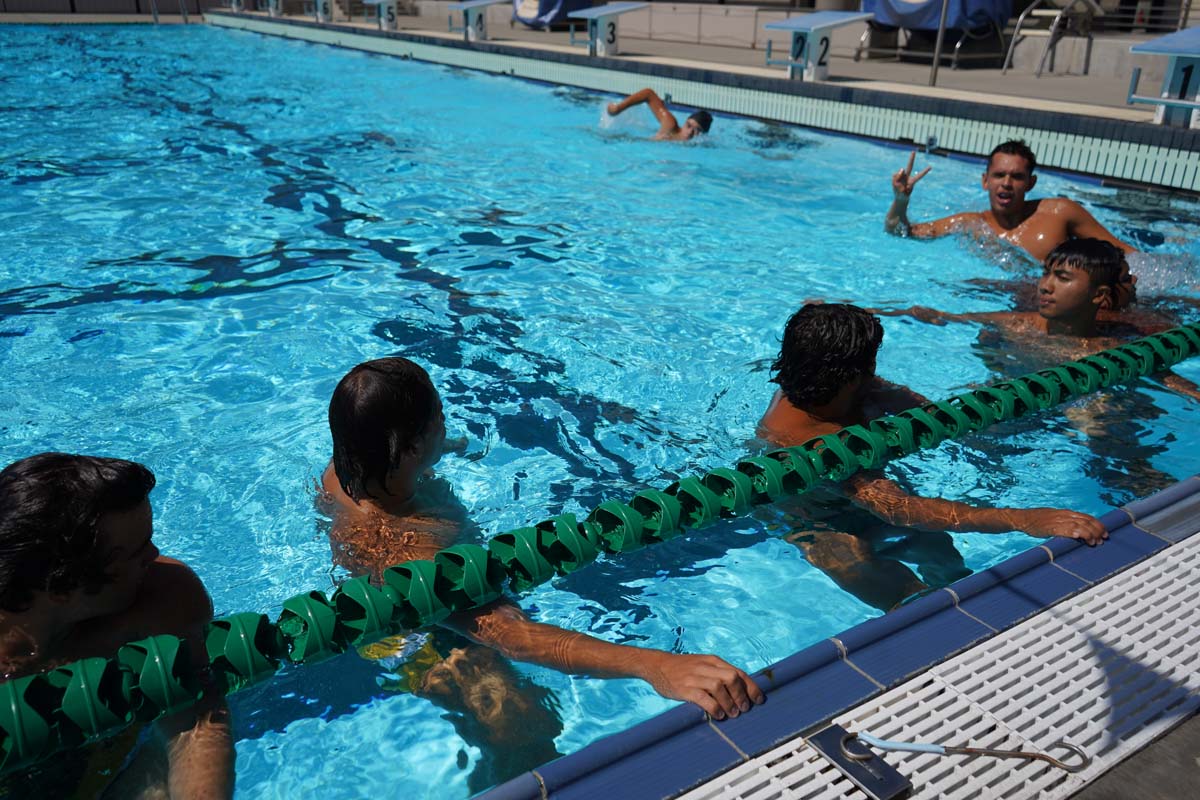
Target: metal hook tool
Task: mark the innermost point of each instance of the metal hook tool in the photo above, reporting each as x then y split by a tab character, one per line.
942	750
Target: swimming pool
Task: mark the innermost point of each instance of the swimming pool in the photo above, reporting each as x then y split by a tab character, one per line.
206	229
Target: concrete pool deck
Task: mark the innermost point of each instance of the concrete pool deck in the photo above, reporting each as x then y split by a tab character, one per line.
1092	95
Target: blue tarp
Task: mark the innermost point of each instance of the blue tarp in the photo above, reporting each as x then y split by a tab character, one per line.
540	13
924	15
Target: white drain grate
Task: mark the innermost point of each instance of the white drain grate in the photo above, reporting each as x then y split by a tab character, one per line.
1107	670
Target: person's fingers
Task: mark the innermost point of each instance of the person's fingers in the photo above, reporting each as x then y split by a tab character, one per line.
912	157
735	684
719	691
753	693
705	701
919	175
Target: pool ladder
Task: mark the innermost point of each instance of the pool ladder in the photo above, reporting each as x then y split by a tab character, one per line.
182	10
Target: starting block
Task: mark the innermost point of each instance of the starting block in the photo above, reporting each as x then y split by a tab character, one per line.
809	54
1178	101
474	13
603	39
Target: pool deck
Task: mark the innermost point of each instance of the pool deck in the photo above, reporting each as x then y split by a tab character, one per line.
1091	95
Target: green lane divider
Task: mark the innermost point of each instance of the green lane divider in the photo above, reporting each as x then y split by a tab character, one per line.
96	697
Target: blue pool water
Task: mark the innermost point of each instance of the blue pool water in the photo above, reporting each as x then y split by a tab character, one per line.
203	230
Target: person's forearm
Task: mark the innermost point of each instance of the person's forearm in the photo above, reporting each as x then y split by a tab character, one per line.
1180	384
886	500
896	220
925	514
634	99
522	639
718	687
201	755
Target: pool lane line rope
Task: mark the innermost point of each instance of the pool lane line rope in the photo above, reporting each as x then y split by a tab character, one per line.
92	698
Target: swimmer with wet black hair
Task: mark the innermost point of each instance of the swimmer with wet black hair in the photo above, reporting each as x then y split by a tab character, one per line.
1081	279
827	381
669	128
387	508
80	577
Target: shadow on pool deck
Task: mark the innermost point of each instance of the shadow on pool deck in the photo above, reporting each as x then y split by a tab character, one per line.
1168	769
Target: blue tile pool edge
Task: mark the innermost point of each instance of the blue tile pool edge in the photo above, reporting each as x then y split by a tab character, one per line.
971	117
795	669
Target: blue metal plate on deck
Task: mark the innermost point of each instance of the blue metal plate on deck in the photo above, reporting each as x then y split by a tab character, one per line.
1181	43
820	19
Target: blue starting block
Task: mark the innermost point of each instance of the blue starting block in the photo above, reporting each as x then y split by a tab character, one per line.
474	27
603	37
1177	103
811	35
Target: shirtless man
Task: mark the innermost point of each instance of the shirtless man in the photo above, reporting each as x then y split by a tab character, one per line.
388	507
1037	226
826	374
79	577
669	128
1080	279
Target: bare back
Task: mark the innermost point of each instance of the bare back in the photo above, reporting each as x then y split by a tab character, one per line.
367	541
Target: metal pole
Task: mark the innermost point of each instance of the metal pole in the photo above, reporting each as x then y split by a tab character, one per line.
183	10
937	48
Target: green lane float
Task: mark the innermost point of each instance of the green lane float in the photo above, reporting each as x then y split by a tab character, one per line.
95	697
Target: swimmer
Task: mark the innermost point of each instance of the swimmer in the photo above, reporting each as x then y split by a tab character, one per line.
669	128
388	507
1081	280
826	374
80	577
1037	226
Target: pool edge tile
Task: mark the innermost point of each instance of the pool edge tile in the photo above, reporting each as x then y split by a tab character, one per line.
1160	500
662	769
1125	547
523	787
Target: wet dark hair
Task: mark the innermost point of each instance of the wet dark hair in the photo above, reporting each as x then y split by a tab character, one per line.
703	119
50	510
1014	147
825	346
1101	260
377	415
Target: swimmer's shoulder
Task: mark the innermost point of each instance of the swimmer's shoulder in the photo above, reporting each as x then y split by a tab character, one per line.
784	425
172	600
955	223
